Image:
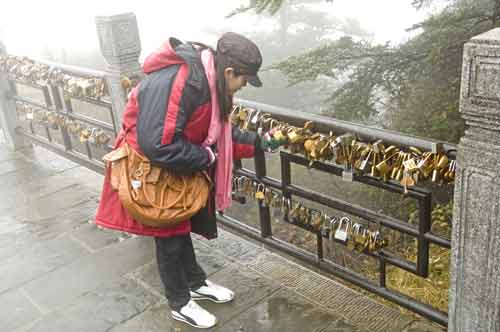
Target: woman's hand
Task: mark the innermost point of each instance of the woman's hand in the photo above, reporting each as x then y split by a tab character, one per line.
268	143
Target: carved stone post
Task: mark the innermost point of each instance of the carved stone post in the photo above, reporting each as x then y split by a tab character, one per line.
121	47
475	268
8	115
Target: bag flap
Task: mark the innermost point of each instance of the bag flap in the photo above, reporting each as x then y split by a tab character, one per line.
115	155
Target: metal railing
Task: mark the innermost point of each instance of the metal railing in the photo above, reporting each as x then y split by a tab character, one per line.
421	232
58	101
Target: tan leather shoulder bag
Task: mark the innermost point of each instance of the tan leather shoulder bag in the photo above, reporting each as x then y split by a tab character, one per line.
152	195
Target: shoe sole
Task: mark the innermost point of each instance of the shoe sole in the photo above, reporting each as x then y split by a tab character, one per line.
198	298
182	319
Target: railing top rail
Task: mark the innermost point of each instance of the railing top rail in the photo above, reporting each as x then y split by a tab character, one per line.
73	70
325	124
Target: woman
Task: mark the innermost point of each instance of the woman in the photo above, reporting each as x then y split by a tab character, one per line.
178	118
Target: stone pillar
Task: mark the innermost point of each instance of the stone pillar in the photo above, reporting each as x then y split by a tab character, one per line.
8	117
475	261
121	47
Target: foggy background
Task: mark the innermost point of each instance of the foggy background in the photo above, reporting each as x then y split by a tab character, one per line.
30	27
65	32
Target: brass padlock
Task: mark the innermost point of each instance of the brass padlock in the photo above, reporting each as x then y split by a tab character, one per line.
317	221
407	181
102	138
259	195
294	213
85	134
295	138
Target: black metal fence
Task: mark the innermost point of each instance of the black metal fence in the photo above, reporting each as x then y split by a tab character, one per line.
421	232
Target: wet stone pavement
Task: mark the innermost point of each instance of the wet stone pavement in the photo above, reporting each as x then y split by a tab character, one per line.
60	273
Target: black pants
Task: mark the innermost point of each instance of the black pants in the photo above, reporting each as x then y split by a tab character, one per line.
178	268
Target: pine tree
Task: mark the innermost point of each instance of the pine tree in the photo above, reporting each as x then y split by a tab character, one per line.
412	87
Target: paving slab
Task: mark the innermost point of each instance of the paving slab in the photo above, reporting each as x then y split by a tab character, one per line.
95	238
46	158
98	310
283	311
420	326
37	260
6	153
12	165
13	180
60	287
229	244
156	318
16	234
17	310
48	206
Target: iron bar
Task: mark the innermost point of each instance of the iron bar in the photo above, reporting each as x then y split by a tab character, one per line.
48	104
319	246
26	83
92	101
424	226
353	209
71	155
56	96
30	101
393	186
94	122
73	70
382	272
264	215
433	238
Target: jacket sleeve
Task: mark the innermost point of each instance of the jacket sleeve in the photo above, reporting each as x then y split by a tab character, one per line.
180	155
244	143
161	122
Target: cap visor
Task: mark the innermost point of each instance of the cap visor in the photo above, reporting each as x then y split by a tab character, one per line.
255	81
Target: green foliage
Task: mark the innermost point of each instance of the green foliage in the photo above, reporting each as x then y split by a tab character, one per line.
412	87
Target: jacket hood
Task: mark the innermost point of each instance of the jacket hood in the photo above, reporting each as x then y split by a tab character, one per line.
172	52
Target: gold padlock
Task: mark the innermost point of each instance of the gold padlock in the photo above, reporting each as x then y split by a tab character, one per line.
295	138
442	162
259	195
85	135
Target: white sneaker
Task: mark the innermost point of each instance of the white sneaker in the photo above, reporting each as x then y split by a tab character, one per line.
212	292
195	315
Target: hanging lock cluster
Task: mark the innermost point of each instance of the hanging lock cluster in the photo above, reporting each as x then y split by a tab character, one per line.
341	229
55	121
128	83
26	70
408	166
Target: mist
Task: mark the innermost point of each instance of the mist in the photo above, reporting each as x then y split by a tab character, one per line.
65	32
28	27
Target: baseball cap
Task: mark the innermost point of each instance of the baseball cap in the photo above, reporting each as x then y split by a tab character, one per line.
242	54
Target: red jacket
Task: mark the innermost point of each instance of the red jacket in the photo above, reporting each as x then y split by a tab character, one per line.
167	118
